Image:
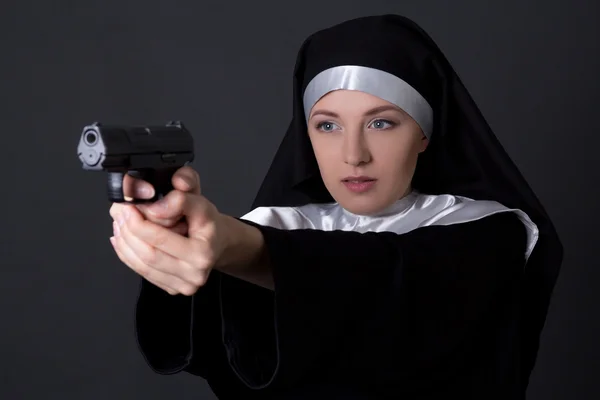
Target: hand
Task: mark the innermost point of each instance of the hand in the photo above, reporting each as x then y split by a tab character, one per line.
150	239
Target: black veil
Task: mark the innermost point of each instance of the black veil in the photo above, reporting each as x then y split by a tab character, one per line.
463	158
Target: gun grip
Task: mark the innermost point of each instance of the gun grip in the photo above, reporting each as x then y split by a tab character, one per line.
159	179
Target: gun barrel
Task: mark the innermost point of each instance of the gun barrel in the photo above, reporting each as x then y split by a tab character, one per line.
116	147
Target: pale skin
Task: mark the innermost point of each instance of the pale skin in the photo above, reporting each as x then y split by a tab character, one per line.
176	243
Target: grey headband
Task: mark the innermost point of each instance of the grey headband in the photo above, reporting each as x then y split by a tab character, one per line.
375	82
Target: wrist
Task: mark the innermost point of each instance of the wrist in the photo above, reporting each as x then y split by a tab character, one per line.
244	255
242	245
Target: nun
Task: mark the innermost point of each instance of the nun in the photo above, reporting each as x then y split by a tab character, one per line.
393	249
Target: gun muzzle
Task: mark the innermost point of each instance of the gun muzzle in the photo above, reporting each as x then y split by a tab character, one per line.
151	153
90	150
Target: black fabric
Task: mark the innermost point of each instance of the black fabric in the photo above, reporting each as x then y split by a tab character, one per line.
438	311
182	333
427	314
463	158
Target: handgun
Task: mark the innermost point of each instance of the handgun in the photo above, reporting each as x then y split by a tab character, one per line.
150	153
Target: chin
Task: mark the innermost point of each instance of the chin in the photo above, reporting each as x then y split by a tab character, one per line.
367	205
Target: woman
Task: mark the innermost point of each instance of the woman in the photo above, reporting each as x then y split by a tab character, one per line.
393	249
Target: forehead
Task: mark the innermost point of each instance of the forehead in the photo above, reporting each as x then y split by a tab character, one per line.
344	98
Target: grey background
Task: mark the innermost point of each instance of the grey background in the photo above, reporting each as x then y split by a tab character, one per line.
224	68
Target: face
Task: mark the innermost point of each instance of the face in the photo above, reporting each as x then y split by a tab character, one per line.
366	148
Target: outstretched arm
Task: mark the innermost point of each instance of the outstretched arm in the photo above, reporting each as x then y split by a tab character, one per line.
245	255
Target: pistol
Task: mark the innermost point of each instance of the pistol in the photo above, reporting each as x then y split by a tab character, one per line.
150	153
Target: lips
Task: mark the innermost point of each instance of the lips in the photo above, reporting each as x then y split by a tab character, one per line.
359	184
358	179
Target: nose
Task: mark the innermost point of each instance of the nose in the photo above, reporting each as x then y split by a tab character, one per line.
355	149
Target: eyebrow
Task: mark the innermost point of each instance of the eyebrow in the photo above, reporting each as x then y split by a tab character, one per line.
368	113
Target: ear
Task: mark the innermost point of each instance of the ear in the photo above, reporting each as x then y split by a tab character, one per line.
424	143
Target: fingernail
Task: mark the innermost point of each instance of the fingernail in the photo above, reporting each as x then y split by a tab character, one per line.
144	191
189	181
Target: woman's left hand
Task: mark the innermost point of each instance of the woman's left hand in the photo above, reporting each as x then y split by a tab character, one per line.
168	259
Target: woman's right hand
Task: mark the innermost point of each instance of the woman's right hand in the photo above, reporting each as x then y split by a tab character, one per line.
183	180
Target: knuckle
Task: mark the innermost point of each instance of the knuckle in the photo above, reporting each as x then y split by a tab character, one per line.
205	252
209	259
149	257
143	271
159	239
188	290
114	210
133	225
199	279
170	222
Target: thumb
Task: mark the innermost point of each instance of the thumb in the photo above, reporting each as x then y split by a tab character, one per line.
186	180
137	188
202	216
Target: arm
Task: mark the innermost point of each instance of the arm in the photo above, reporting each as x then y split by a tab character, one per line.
434	288
245	256
183	334
430	290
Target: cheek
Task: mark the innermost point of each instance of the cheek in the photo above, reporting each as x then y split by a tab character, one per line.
325	156
398	155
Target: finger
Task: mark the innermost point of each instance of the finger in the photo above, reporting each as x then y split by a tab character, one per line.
150	267
147	214
186	179
196	252
178	204
127	260
137	188
169	283
169	207
158	259
180	227
156	266
115	210
149	256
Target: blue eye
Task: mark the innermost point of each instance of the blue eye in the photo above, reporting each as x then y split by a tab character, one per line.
327	126
382	124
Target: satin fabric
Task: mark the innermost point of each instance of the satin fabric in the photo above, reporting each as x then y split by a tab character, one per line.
411	212
463	158
375	82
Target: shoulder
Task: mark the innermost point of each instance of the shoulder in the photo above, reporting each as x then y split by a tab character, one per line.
278	217
458	218
490	218
494	225
498	238
308	216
